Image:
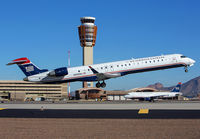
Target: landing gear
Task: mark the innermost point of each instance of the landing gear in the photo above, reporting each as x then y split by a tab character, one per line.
186	69
151	100
98	85
103	84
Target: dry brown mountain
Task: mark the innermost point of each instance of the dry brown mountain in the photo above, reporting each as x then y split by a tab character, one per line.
190	88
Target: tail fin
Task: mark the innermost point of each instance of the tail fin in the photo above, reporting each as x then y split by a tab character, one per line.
177	88
27	66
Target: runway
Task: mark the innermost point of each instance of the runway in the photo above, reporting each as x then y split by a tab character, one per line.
100	114
175	110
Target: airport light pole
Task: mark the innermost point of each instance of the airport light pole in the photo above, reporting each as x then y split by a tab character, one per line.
69	82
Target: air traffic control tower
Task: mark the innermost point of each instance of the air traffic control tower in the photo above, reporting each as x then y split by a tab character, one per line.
87	35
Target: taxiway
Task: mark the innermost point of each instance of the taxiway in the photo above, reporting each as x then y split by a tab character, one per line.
144	110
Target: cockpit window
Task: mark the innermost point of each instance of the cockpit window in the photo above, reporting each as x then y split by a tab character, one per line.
183	56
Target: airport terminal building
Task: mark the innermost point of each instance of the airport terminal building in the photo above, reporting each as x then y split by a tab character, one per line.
21	90
29	91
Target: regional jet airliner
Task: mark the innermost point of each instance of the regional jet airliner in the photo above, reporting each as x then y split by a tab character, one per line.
101	72
150	96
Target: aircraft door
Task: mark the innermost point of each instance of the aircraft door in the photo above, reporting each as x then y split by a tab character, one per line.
174	60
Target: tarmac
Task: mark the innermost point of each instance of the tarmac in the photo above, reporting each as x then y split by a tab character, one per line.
106	110
111	120
121	105
101	114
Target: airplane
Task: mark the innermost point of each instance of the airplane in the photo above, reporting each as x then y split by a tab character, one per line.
150	96
101	72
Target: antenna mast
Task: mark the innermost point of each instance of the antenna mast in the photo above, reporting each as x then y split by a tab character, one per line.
69	67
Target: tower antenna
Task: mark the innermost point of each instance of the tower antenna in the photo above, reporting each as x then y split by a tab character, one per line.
69	67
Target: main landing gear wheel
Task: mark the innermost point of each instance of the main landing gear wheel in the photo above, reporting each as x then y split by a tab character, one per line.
103	84
98	85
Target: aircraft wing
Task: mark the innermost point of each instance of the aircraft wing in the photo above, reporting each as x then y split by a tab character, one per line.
104	76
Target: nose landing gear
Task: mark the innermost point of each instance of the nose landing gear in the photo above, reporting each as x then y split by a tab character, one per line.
186	69
98	84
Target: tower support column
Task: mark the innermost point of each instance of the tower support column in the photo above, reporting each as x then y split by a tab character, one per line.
87	60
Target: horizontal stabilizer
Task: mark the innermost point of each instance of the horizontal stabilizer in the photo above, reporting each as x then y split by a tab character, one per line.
19	61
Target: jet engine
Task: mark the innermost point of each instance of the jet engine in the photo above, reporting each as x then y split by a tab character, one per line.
59	72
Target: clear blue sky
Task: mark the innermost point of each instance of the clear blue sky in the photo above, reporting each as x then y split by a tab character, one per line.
44	30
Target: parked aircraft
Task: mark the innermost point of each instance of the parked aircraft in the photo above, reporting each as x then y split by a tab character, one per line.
150	96
101	72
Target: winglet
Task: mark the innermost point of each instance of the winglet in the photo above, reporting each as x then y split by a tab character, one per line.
93	70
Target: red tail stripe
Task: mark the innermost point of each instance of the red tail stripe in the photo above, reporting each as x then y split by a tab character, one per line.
24	58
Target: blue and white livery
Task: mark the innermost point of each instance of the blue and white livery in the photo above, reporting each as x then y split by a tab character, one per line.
101	72
150	96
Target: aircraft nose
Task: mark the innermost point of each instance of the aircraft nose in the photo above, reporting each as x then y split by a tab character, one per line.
126	96
191	61
25	79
